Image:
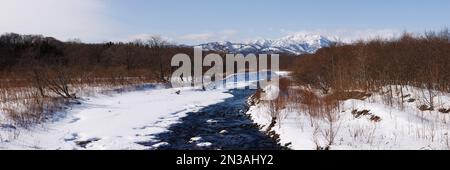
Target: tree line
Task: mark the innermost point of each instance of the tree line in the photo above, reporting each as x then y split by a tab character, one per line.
38	60
422	61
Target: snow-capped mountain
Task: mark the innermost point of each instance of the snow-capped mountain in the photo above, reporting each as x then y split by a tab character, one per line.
295	44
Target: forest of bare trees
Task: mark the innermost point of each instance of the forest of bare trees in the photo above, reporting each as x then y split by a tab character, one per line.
421	61
35	57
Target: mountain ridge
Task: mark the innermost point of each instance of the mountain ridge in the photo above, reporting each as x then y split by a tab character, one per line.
299	43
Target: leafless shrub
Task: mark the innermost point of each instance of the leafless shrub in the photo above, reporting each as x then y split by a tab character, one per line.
31	108
58	81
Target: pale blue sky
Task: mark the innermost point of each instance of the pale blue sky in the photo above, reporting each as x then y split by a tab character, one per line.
196	21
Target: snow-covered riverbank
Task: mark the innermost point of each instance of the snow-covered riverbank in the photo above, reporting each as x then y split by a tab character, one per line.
365	124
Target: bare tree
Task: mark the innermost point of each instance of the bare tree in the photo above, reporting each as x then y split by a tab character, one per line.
157	44
59	81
